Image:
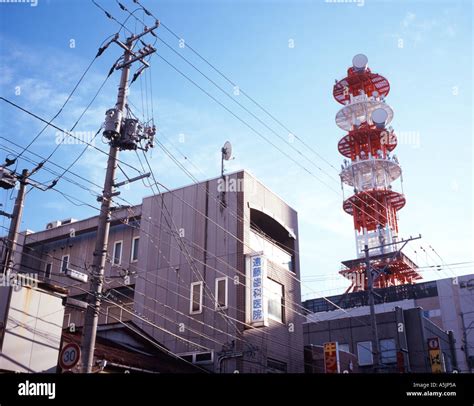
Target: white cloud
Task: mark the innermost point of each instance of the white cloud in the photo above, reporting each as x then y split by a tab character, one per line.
414	31
408	20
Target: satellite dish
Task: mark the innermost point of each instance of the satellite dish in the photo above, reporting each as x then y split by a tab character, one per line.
226	155
359	62
227	150
379	117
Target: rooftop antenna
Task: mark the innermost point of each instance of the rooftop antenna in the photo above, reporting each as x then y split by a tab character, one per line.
226	155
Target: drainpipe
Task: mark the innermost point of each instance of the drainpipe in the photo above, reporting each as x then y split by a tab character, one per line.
227	356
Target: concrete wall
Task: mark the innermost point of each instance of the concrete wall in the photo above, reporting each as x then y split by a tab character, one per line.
350	330
78	241
33	328
447	300
189	235
420	329
216	248
416	330
455	296
466	306
280	341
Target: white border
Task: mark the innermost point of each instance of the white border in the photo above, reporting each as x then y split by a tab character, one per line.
226	295
121	252
200	284
132	250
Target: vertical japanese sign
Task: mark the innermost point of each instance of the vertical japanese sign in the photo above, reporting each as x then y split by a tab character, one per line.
435	355
331	358
256	278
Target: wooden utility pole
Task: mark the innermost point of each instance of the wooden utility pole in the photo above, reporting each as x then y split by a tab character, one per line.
119	140
10	244
22	179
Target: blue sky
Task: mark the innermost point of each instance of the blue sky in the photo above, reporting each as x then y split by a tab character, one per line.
424	48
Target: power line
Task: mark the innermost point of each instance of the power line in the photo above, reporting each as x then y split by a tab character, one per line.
99	52
236	237
369	215
215	84
149	281
193	50
63	131
108	300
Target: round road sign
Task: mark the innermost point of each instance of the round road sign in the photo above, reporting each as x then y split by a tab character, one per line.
70	355
433	343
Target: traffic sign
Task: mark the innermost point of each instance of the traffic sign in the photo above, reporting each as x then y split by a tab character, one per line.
70	355
433	343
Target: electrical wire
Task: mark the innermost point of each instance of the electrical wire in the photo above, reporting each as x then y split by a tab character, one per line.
67	99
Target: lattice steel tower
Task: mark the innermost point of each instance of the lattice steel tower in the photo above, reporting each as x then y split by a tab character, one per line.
370	170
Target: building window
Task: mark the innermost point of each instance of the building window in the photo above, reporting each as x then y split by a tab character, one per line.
67	320
113	314
198	357
344	347
196	298
134	255
275	300
364	353
187	357
117	254
221	293
204	358
388	351
275	366
64	263
47	270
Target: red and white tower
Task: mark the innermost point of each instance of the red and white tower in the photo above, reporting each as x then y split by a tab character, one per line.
370	170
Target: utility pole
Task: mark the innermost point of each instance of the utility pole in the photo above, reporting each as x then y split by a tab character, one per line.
15	222
373	320
117	130
8	180
370	289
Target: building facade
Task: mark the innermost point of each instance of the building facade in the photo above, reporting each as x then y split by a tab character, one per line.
403	339
31	319
447	303
211	271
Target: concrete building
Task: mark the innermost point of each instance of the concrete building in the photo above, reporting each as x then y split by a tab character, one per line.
31	318
447	303
403	339
314	360
210	270
124	348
